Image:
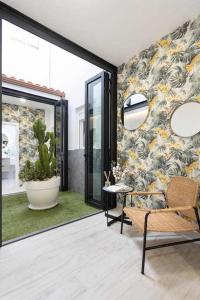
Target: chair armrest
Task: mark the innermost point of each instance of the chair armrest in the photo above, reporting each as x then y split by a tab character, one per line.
171	209
146	193
163	210
140	209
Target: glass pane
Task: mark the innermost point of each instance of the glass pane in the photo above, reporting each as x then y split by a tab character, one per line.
18	142
95	138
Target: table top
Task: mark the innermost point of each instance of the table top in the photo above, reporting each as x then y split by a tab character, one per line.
121	191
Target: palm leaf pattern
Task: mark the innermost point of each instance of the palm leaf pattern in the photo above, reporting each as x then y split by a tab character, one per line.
148	53
178	77
168	74
180	31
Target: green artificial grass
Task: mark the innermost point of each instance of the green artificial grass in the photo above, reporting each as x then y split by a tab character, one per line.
19	220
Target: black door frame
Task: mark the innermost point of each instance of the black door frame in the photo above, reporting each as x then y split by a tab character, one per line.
64	124
62	105
28	96
11	15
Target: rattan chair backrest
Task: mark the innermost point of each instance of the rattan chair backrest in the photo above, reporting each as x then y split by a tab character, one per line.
182	191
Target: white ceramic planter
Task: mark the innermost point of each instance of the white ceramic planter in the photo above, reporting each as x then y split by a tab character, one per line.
43	194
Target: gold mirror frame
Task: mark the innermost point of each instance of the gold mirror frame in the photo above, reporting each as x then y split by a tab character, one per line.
173	114
134	93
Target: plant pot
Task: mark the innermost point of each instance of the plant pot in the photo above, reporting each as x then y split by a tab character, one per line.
43	194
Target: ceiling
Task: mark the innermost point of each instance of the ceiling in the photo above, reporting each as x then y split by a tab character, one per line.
115	30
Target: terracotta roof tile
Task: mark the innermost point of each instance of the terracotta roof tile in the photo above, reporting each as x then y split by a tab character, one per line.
32	86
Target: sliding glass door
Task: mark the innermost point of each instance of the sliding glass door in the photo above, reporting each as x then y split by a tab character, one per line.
97	137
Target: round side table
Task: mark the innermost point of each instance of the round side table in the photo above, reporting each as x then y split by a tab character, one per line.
120	217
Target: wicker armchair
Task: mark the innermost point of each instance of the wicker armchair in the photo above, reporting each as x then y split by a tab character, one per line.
181	198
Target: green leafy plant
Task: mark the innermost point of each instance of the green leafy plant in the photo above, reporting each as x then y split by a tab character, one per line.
45	166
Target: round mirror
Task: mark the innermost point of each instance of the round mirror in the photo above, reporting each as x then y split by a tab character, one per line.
185	120
134	111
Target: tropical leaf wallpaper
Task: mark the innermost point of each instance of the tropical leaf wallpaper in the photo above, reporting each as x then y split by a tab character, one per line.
25	117
168	74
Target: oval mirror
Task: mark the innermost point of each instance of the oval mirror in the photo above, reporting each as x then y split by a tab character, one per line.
134	111
185	120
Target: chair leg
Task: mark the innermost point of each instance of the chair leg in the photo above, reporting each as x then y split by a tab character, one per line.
122	221
123	214
197	216
144	242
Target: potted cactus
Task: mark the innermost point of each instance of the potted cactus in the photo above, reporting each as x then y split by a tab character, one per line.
40	177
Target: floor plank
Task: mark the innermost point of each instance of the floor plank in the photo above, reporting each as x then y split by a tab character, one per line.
86	260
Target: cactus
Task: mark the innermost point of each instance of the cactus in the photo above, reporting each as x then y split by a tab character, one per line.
45	166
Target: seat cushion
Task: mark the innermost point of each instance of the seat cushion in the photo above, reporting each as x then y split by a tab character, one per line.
161	222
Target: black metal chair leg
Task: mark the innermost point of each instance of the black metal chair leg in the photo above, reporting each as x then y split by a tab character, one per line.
197	216
123	214
144	242
122	221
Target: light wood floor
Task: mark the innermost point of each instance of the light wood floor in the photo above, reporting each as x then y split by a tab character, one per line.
86	260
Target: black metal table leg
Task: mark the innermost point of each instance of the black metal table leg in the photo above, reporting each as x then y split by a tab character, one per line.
115	219
123	214
107	210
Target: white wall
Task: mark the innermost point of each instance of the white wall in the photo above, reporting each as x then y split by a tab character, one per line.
21	56
33	59
69	73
